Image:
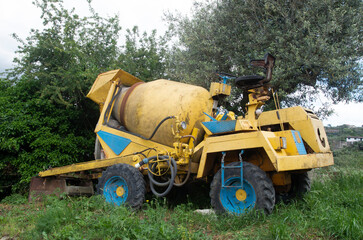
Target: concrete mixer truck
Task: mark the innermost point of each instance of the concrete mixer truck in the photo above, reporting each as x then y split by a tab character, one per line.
158	135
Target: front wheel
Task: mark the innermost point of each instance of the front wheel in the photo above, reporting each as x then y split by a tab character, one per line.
122	184
257	192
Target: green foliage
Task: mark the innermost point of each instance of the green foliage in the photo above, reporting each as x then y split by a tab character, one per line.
63	59
92	218
144	56
332	210
317	44
15	199
351	152
45	118
339	205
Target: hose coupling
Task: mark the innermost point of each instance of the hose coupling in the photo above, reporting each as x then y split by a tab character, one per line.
142	162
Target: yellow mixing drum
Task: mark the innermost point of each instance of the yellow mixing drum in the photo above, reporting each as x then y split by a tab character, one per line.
142	106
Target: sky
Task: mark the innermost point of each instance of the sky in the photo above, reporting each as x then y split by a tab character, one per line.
19	16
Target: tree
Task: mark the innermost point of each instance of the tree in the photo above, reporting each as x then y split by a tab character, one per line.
317	45
145	56
45	118
66	56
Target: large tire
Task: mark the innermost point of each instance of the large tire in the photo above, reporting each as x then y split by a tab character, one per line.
122	184
258	192
300	185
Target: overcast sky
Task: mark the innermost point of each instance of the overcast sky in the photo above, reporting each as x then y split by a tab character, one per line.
19	16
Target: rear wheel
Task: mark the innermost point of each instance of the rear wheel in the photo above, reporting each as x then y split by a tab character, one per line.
300	185
257	192
122	184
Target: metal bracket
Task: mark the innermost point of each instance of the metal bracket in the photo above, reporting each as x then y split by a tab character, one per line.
231	167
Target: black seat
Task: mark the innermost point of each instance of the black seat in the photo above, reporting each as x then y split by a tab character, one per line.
250	80
255	81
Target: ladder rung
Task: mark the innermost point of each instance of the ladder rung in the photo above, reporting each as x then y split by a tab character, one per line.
232	167
233	186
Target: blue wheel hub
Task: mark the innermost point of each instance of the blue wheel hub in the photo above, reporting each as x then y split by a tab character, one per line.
115	190
235	199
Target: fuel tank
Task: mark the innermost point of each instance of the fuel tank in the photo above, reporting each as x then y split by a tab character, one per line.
141	107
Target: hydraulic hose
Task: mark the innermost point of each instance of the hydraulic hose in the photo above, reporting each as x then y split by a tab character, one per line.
157	127
173	170
186	178
169	183
110	104
155	182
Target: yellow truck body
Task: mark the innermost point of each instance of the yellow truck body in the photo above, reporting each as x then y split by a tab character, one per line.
167	133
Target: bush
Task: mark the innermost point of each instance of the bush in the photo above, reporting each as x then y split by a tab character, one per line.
15	199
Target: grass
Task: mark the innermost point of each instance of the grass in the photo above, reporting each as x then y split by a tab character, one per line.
332	210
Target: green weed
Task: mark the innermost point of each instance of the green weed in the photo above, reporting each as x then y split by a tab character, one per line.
15	199
332	210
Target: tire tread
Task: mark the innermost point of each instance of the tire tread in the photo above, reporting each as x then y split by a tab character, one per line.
134	179
265	193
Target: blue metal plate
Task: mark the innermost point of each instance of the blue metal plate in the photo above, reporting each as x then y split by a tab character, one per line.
116	143
220	126
299	142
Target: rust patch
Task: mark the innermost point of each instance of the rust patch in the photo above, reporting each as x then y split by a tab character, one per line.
45	186
123	103
58	185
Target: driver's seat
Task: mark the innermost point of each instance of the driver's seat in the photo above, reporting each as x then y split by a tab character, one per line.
254	81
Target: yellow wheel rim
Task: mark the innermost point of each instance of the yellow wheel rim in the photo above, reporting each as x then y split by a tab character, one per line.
241	195
120	191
